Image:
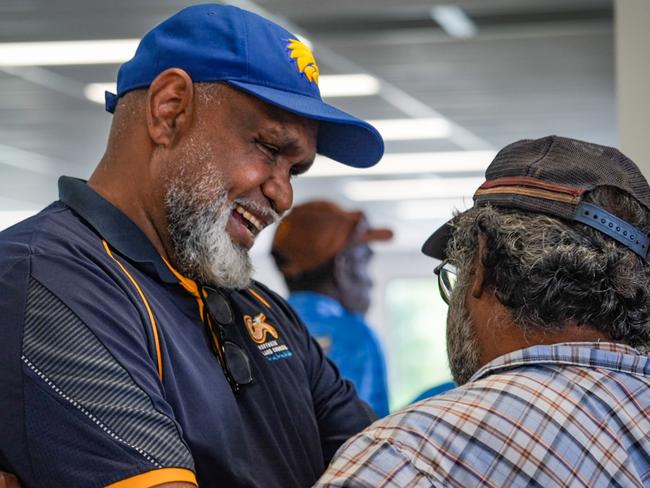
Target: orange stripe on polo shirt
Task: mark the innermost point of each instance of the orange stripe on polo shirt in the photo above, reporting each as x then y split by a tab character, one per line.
152	320
193	289
259	297
157	477
189	284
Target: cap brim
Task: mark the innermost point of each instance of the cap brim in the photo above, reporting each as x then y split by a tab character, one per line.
341	136
436	245
377	235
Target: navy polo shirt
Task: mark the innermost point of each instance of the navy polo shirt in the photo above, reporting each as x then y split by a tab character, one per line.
107	376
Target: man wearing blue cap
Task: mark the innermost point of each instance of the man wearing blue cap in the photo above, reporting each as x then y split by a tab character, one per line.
136	350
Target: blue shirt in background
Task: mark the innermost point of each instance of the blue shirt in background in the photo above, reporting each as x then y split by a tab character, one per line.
349	342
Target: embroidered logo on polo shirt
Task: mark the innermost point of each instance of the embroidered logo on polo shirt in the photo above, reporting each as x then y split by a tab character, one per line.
266	337
258	328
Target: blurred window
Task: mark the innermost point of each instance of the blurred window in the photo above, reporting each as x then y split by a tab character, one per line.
415	341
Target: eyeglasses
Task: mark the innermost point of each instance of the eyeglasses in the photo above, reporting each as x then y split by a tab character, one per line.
447	275
232	357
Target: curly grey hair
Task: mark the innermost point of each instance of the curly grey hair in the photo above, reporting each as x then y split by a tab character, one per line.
550	272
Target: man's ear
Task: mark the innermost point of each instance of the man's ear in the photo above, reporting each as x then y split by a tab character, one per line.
478	283
169	106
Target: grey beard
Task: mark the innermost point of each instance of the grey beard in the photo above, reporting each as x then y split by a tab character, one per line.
462	344
203	249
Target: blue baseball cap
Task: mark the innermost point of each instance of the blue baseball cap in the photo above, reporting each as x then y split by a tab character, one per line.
214	43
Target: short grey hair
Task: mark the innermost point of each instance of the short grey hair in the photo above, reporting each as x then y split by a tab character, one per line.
550	272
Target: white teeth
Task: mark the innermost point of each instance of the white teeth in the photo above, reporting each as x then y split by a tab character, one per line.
250	217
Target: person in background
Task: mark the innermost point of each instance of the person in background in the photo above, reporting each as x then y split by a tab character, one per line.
548	284
323	253
136	350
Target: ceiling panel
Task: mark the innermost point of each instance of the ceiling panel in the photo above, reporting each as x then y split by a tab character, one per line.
536	67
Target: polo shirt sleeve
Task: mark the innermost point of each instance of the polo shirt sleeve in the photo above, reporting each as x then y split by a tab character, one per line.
81	401
340	412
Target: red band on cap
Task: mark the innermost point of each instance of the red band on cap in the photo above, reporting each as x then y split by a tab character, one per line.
532	182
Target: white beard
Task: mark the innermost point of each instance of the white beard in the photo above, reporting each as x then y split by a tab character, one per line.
462	343
203	249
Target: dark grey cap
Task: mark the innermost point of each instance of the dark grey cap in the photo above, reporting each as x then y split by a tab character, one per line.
551	175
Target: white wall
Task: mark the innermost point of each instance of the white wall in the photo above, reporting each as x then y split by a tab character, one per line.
633	79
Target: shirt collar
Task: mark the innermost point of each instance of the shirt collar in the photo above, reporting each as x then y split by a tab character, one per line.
114	226
608	355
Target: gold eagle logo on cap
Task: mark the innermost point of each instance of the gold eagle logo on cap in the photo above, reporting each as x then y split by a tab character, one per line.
304	59
259	329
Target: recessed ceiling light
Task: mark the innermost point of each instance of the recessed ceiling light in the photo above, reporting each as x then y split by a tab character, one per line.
412	129
330	86
454	21
408	163
54	53
353	85
95	91
410	189
432	208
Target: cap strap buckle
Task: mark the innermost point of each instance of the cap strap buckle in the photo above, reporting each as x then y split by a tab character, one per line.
614	227
110	100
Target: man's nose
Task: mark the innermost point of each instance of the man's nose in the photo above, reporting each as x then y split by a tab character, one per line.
278	189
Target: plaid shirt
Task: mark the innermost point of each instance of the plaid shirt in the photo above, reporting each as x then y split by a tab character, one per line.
573	414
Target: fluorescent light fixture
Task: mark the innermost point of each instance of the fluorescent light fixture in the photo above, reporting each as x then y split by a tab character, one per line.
410	189
454	21
432	209
412	129
54	53
353	85
330	86
95	91
408	163
117	51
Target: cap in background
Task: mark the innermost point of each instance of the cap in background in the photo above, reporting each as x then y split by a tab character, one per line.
551	176
213	42
315	232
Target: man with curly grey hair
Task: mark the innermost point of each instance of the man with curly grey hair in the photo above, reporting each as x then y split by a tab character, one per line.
548	284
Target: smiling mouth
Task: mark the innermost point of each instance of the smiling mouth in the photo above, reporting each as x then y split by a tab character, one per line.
252	223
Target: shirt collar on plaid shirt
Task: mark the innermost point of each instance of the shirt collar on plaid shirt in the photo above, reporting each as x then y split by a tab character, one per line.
608	355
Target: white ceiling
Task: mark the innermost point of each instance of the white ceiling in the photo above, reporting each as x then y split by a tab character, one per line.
534	68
